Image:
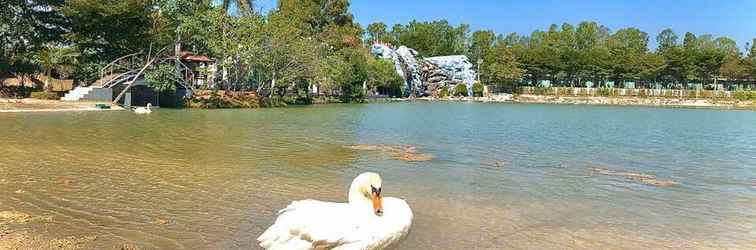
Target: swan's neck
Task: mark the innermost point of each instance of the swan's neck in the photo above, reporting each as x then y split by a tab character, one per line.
358	194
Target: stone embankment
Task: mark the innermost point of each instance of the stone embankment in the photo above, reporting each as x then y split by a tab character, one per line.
598	100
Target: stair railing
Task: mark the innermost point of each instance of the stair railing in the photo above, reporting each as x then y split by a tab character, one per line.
127	62
139	73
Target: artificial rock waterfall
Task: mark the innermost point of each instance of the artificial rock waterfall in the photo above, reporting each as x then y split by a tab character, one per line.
426	76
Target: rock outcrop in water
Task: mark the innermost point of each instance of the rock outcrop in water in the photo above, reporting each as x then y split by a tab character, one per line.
637	177
404	153
425	76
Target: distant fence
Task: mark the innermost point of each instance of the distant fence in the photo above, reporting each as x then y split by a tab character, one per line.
609	92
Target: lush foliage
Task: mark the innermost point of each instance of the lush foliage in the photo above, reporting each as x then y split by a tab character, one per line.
444	92
58	59
162	78
745	95
460	90
569	55
222	99
27	26
381	74
477	89
436	38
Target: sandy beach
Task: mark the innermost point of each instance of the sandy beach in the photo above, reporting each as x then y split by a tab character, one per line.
37	105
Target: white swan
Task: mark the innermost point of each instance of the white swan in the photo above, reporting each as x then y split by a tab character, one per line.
144	110
366	222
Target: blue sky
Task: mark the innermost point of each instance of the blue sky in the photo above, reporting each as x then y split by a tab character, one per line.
733	18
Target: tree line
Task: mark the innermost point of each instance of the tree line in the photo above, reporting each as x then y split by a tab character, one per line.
301	44
290	48
567	55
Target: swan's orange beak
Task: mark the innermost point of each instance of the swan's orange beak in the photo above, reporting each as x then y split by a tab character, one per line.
377	205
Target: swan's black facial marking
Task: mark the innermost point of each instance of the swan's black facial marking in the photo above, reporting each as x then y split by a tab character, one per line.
376	191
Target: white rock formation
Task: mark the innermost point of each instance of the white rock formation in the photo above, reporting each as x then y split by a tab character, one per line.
456	69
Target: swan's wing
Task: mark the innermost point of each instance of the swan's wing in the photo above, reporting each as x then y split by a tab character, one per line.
379	232
310	224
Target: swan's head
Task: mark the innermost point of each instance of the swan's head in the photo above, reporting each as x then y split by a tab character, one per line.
149	105
366	190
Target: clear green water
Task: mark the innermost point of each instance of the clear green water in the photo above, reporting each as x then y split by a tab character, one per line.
505	176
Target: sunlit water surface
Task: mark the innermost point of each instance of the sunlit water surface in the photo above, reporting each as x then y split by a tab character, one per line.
504	176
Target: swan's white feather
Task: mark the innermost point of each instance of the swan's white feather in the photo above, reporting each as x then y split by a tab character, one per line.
142	110
311	224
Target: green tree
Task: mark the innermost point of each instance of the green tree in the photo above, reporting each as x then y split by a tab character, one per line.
593	55
382	74
243	7
435	38
236	41
749	62
58	59
651	66
540	56
569	53
351	87
328	21
503	69
105	30
332	72
26	27
287	55
674	57
481	45
377	32
162	78
733	67
667	40
628	47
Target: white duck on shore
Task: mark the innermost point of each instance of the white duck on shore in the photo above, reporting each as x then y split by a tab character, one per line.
144	110
368	221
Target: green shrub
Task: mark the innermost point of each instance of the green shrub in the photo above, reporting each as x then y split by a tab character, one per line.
161	78
540	90
272	102
743	95
44	95
460	90
693	94
642	93
605	92
564	91
444	92
85	73
219	100
477	89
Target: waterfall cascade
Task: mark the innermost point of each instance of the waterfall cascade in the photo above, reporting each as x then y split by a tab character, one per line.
425	76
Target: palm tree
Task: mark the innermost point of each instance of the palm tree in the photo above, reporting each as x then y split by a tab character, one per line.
243	7
60	59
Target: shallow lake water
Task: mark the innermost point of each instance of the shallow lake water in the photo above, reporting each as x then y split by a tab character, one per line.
502	176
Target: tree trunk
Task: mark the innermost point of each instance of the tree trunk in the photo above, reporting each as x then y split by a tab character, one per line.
272	84
47	87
